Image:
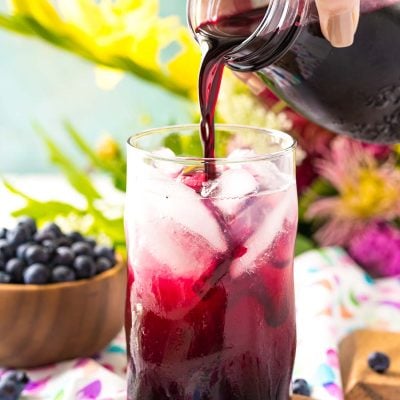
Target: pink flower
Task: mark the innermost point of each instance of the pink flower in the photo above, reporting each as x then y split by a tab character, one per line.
368	190
377	249
381	152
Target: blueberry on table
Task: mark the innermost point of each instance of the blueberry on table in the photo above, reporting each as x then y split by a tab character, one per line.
379	362
301	386
103	264
82	249
84	267
36	254
75	237
36	274
4	278
62	273
16	376
104	251
15	268
63	256
2	261
10	390
12	385
28	223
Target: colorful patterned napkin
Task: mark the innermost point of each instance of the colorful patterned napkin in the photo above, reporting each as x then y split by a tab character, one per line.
334	296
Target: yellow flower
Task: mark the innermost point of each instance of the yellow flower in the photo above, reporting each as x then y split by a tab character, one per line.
120	34
184	67
237	105
107	148
372	195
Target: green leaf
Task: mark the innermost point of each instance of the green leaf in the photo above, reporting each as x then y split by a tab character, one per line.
303	244
78	179
116	168
173	142
48	211
41	210
319	188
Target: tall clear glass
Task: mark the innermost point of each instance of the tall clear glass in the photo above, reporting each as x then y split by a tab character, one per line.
210	309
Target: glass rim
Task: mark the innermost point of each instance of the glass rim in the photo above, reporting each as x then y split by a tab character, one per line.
291	147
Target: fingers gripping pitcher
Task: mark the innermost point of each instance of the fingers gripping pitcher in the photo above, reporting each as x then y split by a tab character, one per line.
279	45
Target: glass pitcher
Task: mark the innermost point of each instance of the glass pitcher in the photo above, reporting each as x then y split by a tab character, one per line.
354	90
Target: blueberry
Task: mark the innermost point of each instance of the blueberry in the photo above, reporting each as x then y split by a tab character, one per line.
29	223
63	241
15	268
301	386
42	235
379	362
36	254
104	251
90	241
4	278
2	261
64	256
84	267
82	249
3	233
52	227
36	274
16	376
62	273
50	246
10	390
12	384
18	235
6	249
103	264
75	237
21	250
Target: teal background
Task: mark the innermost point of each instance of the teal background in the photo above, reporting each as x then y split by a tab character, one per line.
39	83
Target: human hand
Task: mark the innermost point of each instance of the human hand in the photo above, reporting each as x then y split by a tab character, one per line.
339	20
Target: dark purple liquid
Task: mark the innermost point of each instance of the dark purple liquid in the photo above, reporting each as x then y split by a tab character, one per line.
353	91
220	37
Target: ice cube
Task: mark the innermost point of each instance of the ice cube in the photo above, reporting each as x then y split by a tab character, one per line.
284	208
168	262
266	172
169	168
241	154
269	176
231	190
157	198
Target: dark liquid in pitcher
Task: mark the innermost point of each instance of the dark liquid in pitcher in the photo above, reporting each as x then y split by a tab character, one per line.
355	90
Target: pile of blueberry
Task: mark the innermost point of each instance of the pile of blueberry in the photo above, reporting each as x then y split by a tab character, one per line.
32	256
12	383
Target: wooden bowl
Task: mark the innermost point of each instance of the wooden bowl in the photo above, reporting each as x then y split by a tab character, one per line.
44	324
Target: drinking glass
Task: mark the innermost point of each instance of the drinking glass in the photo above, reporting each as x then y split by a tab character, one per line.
210	311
